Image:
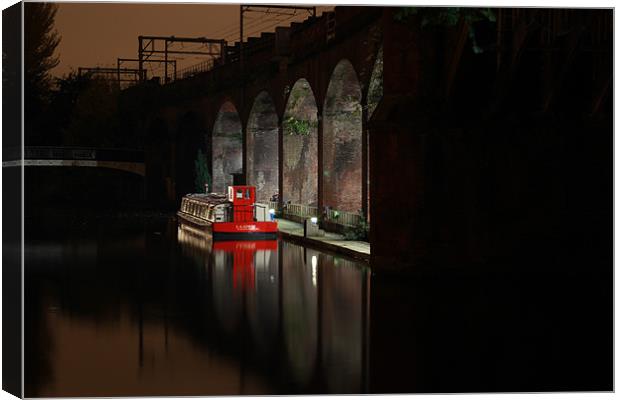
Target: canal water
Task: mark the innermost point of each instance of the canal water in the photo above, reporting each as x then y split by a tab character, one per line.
128	307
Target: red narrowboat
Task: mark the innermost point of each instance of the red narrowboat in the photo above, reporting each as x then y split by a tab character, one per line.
231	216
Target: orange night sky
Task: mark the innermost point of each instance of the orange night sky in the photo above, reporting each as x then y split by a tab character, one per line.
96	34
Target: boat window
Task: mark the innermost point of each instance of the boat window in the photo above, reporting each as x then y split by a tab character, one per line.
240	193
247	193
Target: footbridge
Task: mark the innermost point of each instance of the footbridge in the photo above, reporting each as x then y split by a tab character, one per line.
127	160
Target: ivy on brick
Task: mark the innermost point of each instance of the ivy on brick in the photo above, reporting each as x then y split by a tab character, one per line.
297	127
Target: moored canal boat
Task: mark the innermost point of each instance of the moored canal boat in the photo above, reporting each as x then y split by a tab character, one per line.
232	216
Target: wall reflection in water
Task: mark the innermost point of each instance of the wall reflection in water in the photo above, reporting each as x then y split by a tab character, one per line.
161	310
147	309
302	307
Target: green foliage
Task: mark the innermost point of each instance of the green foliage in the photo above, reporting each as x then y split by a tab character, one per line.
358	232
292	125
299	127
202	172
448	16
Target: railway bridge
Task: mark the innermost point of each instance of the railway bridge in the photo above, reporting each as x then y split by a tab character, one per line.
370	114
292	119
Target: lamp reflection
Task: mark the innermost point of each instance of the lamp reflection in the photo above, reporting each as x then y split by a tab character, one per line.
304	311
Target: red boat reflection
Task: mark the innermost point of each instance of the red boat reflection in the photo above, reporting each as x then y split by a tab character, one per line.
306	308
243	253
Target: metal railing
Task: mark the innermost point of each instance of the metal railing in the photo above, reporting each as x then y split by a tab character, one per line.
299	210
72	153
343	217
195	69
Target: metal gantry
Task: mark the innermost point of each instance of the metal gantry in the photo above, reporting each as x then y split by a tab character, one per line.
120	61
151	45
107	71
151	49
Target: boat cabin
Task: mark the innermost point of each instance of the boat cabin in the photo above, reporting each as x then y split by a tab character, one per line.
242	199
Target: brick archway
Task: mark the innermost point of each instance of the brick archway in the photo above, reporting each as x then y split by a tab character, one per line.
342	140
262	145
227	147
300	143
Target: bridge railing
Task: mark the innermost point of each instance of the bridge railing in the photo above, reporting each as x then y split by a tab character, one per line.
59	153
81	153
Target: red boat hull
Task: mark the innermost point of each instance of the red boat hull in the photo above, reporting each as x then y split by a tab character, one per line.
233	230
244	230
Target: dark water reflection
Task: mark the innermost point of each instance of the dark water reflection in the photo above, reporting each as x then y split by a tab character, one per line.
122	308
165	311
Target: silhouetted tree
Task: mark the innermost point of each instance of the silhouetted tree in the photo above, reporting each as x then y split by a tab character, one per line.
40	42
11	79
62	104
94	118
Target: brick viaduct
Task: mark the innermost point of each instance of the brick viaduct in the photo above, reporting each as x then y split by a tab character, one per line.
454	164
293	66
